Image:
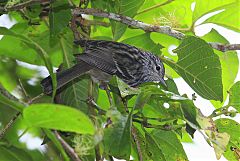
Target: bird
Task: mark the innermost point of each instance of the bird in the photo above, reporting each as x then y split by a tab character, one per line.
102	59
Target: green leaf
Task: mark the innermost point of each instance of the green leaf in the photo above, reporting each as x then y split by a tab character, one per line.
200	67
169	144
126	8
190	111
153	149
20	154
233	129
7	155
207	7
139	144
13	104
234	94
32	44
229	64
218	140
59	117
145	42
59	17
228	18
117	137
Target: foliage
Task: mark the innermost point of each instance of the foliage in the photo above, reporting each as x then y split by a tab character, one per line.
137	122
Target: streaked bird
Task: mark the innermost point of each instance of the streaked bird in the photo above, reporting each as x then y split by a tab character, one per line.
102	59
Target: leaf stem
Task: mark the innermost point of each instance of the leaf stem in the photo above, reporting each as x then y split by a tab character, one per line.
154	7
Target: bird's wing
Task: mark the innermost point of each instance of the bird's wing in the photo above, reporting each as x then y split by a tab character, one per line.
99	56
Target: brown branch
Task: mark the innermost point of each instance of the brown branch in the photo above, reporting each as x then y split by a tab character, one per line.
9	124
20	5
225	47
148	27
129	21
67	147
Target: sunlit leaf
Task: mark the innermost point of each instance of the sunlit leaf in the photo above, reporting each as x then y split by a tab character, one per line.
126	8
208	6
59	117
228	18
234	94
218	140
200	67
229	62
233	129
145	42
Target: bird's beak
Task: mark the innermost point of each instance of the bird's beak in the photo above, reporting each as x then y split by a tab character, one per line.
162	81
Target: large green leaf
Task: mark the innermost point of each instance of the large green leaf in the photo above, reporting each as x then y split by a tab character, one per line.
233	129
229	17
207	7
59	16
145	42
229	62
169	144
126	8
154	150
59	117
234	94
200	67
117	137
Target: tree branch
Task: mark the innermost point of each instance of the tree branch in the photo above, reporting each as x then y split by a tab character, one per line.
67	147
129	21
20	5
225	47
148	27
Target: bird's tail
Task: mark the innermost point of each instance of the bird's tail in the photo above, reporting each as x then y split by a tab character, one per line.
65	77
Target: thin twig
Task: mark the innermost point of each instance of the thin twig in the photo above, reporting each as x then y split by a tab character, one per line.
9	124
23	90
35	98
7	94
71	152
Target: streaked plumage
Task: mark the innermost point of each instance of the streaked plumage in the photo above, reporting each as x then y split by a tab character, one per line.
129	63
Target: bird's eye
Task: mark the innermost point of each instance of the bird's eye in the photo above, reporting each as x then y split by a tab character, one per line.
157	67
